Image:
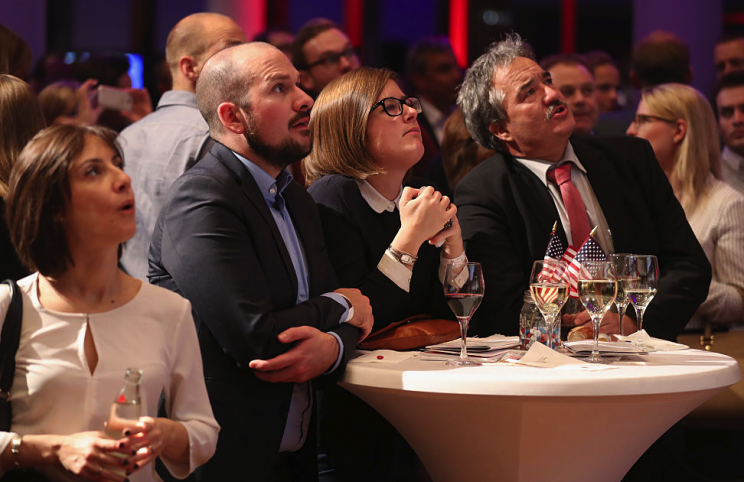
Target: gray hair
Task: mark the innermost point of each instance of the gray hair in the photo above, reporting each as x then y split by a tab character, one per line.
481	103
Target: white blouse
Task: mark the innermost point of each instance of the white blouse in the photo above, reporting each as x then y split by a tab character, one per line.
54	392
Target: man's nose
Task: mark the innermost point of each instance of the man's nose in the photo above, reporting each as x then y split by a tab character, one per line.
344	63
739	116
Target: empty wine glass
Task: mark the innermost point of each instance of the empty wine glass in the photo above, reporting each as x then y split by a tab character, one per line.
645	270
624	278
549	289
463	289
597	291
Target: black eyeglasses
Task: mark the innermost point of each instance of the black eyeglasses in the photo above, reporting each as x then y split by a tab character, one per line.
394	107
332	60
641	119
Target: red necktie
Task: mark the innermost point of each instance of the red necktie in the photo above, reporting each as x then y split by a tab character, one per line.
577	216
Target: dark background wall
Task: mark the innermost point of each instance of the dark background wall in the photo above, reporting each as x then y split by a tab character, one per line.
389	26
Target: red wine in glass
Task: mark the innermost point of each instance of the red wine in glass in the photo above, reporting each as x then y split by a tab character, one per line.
462	304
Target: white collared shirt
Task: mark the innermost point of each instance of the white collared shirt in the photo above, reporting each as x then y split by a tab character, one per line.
578	176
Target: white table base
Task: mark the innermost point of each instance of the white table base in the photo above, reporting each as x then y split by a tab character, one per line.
530	439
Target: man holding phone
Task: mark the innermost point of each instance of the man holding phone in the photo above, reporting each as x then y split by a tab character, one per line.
163	145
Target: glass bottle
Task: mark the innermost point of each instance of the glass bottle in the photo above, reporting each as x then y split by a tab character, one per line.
125	411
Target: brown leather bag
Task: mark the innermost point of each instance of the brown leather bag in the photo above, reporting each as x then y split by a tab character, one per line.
413	332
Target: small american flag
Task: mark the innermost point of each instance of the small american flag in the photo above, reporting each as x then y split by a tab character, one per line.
590	251
555	246
555	251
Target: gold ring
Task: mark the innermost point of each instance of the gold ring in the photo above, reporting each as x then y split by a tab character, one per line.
100	470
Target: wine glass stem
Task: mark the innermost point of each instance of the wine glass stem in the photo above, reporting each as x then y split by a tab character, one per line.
597	322
464	320
621	307
551	327
639	315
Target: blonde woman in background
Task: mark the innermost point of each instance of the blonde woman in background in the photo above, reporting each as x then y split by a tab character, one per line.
679	123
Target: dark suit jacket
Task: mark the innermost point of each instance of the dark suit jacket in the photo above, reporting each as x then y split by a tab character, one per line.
216	243
506	214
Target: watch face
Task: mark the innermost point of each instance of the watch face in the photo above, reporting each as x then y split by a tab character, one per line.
406	259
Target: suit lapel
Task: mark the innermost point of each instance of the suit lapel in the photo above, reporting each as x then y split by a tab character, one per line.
251	191
537	208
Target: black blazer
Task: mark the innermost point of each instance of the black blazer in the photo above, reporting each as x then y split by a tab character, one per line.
507	213
216	243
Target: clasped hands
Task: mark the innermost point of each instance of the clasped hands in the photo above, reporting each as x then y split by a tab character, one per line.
91	456
425	214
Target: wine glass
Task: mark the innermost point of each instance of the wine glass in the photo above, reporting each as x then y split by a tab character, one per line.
624	278
549	289
597	292
463	289
645	270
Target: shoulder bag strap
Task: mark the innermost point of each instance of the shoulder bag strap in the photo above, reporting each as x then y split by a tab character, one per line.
11	336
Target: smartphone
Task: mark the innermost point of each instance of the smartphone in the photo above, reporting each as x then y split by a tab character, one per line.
114	99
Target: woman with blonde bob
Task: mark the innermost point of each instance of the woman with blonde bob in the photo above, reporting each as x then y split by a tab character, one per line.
69	208
679	123
382	238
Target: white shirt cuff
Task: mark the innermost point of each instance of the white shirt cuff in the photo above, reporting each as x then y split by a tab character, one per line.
343	301
340	353
443	262
396	271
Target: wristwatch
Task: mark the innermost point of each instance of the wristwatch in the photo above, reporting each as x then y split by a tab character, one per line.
403	257
15	448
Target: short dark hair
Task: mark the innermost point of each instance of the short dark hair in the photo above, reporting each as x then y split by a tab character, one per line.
729	37
417	53
729	81
222	79
309	31
661	58
265	35
566	58
39	192
598	58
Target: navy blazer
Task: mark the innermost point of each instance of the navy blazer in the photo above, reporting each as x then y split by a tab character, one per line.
507	213
216	243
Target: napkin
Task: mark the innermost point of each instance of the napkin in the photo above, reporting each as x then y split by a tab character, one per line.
382	356
650	343
541	356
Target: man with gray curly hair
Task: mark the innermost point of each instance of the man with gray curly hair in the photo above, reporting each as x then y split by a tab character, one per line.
509	203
